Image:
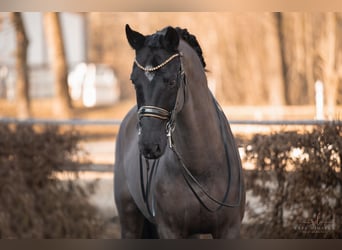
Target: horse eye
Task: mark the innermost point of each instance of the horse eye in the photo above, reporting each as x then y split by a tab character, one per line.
172	83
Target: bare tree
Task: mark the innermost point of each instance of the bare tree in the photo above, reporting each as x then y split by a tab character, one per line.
55	42
326	57
22	83
339	58
274	61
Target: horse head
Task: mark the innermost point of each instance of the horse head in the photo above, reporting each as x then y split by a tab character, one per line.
157	77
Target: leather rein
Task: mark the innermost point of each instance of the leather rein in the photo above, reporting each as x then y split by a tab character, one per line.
170	117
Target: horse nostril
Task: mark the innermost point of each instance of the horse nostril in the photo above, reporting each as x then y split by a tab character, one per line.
152	152
157	148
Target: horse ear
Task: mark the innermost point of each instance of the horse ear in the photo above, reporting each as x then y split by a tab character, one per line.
171	39
135	39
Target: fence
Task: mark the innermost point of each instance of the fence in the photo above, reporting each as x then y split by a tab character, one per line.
116	122
102	151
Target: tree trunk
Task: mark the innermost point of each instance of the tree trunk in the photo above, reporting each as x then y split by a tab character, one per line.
22	82
274	62
331	70
339	58
55	43
309	52
326	68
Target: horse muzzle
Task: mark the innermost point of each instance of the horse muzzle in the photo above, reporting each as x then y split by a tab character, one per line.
153	147
152	151
152	137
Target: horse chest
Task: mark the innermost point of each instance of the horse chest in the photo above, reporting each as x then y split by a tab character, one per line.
176	207
176	202
182	213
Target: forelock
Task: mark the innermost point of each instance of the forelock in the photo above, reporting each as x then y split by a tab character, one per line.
153	41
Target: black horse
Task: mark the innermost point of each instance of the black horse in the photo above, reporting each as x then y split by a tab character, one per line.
177	171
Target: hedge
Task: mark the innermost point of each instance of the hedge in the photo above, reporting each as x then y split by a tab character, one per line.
298	181
33	202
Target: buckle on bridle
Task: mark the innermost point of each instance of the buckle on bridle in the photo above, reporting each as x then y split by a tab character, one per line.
170	127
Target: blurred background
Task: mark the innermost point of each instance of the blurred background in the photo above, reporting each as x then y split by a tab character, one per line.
56	179
254	60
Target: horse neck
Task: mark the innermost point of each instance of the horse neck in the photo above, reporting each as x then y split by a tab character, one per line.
197	130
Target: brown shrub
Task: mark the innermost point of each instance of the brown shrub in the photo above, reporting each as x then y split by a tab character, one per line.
33	203
304	202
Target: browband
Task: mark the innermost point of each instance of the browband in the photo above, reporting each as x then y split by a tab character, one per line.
148	69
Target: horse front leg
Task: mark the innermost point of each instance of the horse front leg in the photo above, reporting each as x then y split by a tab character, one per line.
131	221
231	233
168	233
170	230
228	231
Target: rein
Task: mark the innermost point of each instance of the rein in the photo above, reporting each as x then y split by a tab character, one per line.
190	178
192	182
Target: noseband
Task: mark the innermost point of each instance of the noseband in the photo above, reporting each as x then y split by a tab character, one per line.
153	111
160	113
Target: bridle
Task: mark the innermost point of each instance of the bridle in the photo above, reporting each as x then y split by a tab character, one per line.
158	112
170	117
162	114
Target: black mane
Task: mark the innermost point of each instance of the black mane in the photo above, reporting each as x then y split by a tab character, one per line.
192	41
153	41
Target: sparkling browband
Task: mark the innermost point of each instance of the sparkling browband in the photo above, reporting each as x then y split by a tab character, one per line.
158	66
